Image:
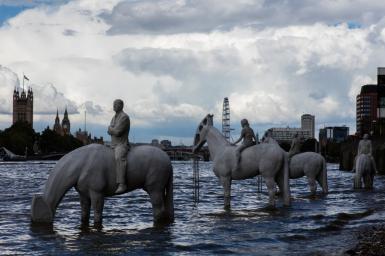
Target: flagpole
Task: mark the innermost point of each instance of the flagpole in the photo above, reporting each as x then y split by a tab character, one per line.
23	81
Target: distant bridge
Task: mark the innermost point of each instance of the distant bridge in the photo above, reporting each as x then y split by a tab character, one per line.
184	153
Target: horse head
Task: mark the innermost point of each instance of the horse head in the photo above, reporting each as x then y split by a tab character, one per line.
201	132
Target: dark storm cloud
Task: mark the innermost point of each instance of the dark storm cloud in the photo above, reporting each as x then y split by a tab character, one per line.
172	17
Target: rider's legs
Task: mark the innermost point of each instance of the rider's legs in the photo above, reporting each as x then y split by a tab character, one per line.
238	152
121	167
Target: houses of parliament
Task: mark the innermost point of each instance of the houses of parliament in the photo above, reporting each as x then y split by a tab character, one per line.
23	111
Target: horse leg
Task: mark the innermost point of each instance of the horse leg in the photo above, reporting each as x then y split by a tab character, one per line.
312	185
97	202
357	181
158	208
226	183
271	187
368	181
85	204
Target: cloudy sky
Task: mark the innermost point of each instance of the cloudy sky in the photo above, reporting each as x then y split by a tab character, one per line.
174	61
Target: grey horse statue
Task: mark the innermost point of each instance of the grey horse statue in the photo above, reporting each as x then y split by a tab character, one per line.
268	160
364	172
309	164
313	166
91	171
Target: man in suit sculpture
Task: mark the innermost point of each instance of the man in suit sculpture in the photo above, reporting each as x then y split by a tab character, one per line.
119	129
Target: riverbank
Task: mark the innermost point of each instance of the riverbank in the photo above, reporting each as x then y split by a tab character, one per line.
371	241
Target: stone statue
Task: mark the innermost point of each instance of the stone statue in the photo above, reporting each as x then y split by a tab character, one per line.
119	129
364	164
309	164
267	138
365	147
249	139
268	160
92	171
295	147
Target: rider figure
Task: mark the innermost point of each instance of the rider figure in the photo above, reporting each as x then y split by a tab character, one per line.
295	146
249	139
119	129
365	147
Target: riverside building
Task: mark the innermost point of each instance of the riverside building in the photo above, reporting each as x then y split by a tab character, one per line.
370	107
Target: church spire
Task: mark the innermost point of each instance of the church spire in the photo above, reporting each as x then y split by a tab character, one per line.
66	125
57	127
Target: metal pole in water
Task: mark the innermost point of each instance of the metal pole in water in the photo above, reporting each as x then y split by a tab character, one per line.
196	179
259	183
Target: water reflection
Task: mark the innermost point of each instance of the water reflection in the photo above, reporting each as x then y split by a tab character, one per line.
309	226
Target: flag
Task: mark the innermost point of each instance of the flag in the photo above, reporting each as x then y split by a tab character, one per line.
26	78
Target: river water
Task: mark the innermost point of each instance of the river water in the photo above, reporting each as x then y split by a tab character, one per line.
326	225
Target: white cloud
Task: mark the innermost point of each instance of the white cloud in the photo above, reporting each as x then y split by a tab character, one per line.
202	16
84	54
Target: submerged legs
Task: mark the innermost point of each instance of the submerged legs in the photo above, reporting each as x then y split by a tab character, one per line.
85	204
226	183
158	209
271	187
97	202
312	185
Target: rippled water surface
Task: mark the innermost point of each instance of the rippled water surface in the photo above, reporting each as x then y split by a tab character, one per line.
323	225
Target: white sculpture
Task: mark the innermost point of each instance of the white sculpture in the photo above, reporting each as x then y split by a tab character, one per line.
313	166
365	171
91	170
268	160
309	164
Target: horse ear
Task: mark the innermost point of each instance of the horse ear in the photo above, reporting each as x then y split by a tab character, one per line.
210	119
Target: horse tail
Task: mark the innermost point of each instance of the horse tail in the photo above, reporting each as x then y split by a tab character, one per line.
286	178
60	180
324	176
169	197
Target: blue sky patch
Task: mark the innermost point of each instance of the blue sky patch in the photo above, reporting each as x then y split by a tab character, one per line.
7	12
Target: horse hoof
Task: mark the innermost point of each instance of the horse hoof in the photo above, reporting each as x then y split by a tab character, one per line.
98	226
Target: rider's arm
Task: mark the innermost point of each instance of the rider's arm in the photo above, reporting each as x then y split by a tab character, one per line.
122	126
255	138
240	138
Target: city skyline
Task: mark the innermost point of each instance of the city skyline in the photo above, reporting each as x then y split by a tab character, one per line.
172	64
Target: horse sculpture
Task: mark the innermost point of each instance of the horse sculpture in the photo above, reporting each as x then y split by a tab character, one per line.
91	170
268	160
309	164
313	166
364	171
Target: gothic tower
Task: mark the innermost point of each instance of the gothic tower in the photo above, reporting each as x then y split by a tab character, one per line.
23	106
57	127
65	124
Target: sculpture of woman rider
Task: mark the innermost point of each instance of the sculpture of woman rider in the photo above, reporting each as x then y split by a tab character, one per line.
249	139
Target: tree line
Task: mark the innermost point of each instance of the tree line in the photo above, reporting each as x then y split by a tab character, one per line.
21	137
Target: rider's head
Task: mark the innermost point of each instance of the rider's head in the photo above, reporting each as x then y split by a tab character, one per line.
244	122
366	136
118	105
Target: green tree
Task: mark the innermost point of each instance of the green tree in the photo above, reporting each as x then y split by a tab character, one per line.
18	137
51	142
